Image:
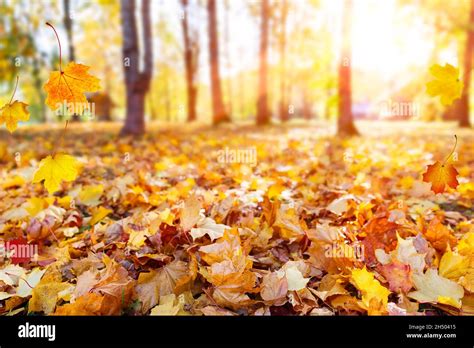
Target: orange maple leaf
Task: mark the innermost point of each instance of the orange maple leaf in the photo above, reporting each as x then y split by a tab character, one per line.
439	235
441	175
68	87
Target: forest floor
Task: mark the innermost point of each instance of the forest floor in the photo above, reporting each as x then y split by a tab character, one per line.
280	220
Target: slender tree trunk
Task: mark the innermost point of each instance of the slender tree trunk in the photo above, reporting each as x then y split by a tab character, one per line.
190	63
137	83
69	32
227	55
283	103
307	112
38	83
327	112
463	104
242	95
219	113
167	98
68	26
345	125
263	114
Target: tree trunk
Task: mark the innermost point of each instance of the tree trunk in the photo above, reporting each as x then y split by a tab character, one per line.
345	124
38	83
263	114
137	83
218	110
227	55
68	26
190	63
307	112
463	103
69	32
282	45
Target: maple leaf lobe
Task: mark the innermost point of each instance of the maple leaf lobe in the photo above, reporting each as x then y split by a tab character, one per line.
440	176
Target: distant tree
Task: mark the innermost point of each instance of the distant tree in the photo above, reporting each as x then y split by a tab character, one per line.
218	109
228	59
191	55
283	108
68	26
463	104
137	83
263	113
345	124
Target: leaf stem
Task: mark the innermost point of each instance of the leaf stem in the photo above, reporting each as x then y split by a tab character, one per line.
61	138
59	43
454	148
14	91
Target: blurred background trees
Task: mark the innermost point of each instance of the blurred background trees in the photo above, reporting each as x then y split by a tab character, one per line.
257	61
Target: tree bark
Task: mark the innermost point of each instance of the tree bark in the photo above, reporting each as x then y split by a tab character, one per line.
227	55
68	26
191	52
69	32
218	109
345	124
137	83
263	114
463	103
284	116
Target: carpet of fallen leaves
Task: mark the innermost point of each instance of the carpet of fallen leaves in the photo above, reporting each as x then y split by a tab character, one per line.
318	226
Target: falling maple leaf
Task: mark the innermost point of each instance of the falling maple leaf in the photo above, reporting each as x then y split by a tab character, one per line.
446	83
54	170
12	113
441	175
69	87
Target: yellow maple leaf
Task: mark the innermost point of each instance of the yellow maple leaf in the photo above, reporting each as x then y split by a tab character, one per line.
12	113
68	87
170	305
466	244
374	295
54	170
49	290
37	204
15	181
98	214
453	265
446	83
434	288
90	194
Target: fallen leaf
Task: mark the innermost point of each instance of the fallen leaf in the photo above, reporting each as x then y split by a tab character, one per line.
374	295
54	170
434	288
